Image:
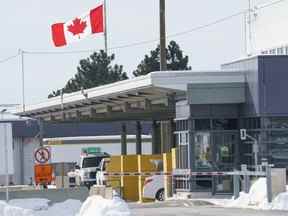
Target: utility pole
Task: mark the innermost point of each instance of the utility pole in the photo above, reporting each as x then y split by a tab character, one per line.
163	60
21	52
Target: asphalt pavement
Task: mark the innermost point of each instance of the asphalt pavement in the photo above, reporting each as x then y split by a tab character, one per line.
185	208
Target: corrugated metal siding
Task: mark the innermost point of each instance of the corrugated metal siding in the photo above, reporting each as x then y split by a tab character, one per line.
18	161
30	144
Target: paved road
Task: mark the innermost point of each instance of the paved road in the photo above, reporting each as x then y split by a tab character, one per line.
186	209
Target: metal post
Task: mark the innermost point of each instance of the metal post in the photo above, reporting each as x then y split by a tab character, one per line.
255	151
138	138
245	34
269	183
124	139
21	52
214	186
246	178
41	131
163	60
250	26
236	185
155	138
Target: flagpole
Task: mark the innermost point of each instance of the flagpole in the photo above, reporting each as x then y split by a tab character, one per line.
105	23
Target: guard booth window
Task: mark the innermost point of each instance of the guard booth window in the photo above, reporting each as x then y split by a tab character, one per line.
203	151
182	142
182	125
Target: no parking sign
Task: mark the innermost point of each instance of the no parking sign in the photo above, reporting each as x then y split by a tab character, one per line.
42	155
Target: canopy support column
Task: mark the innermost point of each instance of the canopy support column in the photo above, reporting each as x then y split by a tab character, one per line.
123	139
138	138
156	141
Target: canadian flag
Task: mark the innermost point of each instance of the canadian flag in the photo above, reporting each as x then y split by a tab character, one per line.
78	28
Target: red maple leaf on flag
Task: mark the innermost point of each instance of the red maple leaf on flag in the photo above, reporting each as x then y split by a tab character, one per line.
77	27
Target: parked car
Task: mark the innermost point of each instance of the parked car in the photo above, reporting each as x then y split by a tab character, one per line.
154	188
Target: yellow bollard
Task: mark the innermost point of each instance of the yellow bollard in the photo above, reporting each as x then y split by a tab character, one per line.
167	168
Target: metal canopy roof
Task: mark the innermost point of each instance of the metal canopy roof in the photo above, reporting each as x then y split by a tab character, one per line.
146	97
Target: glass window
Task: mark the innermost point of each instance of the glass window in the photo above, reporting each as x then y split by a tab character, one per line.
279	146
286	50
272	51
279	138
280	51
202	124
278	123
203	151
182	125
225	124
252	123
225	143
91	162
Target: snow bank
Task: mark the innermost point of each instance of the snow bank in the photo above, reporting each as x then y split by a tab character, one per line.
280	202
93	206
257	198
98	206
32	204
7	210
67	208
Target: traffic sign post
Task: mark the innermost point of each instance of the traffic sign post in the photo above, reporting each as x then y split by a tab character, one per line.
42	155
42	169
255	148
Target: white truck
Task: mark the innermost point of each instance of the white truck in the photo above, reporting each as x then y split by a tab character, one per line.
85	173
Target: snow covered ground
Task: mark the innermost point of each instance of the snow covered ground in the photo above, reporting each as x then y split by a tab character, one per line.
98	206
93	206
255	199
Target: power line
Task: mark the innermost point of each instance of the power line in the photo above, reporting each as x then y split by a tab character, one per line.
189	31
147	41
169	36
207	25
8	58
270	4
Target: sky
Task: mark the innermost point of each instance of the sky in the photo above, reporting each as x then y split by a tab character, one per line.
26	25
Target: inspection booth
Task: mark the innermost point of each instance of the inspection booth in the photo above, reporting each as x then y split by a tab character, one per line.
209	118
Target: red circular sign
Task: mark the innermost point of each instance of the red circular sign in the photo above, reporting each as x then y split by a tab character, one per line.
42	155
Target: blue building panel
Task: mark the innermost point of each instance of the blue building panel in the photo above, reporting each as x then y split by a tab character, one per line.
266	90
273	79
31	129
